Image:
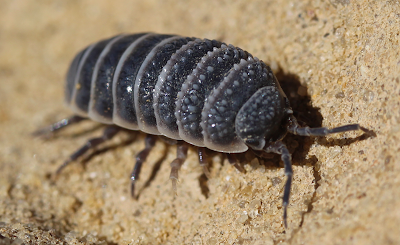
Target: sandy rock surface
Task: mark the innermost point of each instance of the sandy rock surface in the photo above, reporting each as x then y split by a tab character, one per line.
339	62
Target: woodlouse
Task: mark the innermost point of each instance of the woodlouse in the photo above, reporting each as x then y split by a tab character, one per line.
197	91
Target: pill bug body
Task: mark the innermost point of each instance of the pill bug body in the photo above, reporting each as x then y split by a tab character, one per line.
183	88
197	91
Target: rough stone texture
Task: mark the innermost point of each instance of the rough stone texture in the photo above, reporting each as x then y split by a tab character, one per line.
345	55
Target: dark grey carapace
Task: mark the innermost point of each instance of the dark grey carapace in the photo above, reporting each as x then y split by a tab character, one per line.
192	91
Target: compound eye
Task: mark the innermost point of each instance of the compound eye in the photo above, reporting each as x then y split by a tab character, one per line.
256	144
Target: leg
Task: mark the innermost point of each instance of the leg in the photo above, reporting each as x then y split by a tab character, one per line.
181	154
150	141
295	128
108	133
203	160
280	148
167	140
233	160
58	125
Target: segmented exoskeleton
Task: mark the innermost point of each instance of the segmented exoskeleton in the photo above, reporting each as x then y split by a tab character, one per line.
197	91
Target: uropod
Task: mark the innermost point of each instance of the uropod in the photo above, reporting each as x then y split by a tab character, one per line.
192	91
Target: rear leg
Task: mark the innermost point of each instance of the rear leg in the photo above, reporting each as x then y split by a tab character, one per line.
49	130
150	141
109	133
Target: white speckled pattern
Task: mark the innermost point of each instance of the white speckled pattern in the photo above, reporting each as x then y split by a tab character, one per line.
182	88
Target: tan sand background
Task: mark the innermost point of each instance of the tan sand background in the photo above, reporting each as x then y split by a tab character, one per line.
345	55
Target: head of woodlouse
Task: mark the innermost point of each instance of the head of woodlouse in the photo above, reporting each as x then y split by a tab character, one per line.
263	118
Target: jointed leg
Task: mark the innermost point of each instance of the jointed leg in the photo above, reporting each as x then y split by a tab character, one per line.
203	160
108	133
58	125
150	141
181	154
280	148
295	128
233	160
167	140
